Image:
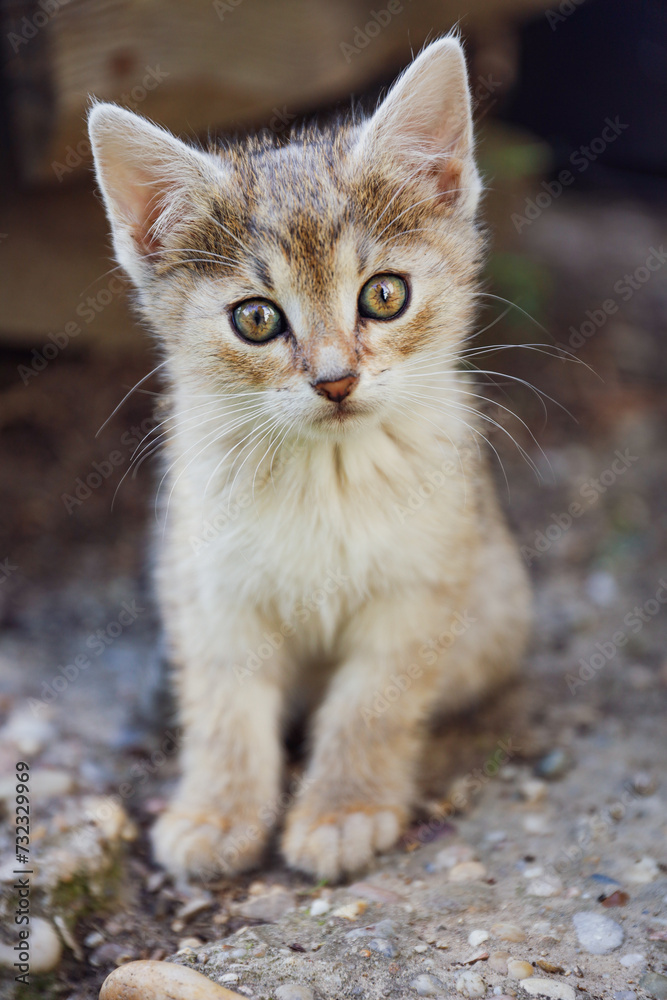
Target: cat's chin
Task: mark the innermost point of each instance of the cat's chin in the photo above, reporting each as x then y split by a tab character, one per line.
344	419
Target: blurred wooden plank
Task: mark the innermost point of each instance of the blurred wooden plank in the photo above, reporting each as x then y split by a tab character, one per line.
197	64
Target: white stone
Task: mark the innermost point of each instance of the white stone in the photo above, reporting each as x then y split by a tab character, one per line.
294	991
467	871
453	855
597	934
319	907
45	947
152	980
633	958
549	885
477	937
471	984
642	871
427	985
537	824
538	987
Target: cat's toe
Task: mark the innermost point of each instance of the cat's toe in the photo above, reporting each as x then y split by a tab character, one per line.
204	844
334	845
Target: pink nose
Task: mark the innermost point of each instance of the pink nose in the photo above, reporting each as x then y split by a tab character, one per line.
338	390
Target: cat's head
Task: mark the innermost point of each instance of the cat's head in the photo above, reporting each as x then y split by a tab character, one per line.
317	273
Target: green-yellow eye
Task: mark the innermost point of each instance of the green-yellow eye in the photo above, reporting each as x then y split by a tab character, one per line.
383	297
258	320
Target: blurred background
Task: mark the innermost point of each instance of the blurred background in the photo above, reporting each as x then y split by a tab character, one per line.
571	109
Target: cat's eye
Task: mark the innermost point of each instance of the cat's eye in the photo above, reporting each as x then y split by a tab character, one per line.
383	297
258	320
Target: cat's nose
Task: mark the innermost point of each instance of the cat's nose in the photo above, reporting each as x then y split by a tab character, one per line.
338	390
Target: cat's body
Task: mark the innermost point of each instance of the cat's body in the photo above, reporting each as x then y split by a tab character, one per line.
332	540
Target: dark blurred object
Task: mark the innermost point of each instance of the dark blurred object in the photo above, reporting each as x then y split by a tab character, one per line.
582	64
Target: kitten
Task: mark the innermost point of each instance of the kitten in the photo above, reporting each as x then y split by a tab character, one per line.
333	543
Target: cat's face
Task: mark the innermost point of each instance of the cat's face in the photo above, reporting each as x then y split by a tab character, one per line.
316	275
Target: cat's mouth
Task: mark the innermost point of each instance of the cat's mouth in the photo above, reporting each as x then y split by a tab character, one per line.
340	414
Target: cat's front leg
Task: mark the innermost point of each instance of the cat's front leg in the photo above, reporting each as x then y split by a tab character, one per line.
359	787
226	802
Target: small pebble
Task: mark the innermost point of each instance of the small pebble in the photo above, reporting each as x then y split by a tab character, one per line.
549	966
319	907
194	906
467	871
93	940
294	991
190	942
508	932
477	937
498	962
643	871
518	969
382	947
229	977
45	783
644	783
539	987
44	945
537	824
533	790
553	766
427	985
351	911
655	985
633	958
420	949
598	935
448	857
549	885
269	906
471	984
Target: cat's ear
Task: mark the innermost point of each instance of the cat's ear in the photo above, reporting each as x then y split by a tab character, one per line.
149	182
424	126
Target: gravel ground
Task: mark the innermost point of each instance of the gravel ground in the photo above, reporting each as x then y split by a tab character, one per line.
553	866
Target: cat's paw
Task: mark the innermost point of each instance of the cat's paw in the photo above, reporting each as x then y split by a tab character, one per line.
203	844
334	844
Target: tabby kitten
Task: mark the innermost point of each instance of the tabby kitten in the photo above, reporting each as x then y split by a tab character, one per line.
332	541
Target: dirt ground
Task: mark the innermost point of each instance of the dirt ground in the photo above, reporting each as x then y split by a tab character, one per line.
562	782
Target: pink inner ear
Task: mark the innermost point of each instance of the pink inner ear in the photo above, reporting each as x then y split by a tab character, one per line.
449	179
142	203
